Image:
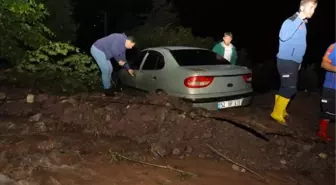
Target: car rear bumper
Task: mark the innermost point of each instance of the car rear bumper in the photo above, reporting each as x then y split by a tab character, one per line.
246	101
224	96
211	103
219	99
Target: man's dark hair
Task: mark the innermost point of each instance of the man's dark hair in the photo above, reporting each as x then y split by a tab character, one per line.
303	2
229	34
131	38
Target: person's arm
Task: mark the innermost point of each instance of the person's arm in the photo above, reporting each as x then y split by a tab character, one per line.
289	27
122	59
326	62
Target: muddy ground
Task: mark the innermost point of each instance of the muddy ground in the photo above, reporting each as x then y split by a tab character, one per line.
82	140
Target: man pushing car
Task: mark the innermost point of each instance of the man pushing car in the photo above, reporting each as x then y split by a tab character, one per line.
106	48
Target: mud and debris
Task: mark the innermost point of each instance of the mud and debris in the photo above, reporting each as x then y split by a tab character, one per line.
69	140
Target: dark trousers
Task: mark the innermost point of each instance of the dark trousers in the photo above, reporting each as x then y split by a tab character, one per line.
288	71
328	104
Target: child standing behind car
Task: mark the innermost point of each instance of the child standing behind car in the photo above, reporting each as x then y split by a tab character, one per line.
226	49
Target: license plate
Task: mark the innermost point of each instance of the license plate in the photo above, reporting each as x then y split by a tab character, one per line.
231	103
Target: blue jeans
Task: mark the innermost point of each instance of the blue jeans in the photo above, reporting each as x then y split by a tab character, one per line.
104	65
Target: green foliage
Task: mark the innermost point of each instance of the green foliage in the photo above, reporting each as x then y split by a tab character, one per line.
21	27
148	36
41	63
60	66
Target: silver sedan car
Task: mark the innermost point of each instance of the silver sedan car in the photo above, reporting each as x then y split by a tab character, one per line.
194	74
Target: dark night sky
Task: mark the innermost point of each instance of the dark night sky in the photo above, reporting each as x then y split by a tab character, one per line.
255	25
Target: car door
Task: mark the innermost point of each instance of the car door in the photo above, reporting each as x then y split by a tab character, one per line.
149	77
125	77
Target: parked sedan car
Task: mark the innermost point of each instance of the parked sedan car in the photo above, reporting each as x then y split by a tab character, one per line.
194	74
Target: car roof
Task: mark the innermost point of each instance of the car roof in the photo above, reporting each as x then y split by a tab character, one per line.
174	48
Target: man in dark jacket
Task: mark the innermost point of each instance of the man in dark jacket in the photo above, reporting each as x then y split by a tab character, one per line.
112	46
292	47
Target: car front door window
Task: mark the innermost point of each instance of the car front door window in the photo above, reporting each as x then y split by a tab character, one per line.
154	61
137	62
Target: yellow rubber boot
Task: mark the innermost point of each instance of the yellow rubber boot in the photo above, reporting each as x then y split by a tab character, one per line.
279	107
285	113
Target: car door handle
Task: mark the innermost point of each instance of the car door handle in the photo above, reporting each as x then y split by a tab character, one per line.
154	77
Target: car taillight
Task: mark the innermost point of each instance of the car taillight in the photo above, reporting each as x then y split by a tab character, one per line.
198	81
247	78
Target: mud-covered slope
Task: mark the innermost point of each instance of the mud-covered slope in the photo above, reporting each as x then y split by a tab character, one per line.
162	126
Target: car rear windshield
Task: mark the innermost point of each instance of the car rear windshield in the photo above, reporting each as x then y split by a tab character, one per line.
198	57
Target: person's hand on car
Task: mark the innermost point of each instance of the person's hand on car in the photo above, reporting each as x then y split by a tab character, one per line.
131	72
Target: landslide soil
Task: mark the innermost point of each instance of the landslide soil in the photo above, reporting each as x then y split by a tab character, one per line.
77	139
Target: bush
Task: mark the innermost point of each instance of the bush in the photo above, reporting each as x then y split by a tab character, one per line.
21	27
148	36
58	67
40	63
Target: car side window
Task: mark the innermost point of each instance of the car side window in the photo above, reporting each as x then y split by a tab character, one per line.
160	62
154	61
137	62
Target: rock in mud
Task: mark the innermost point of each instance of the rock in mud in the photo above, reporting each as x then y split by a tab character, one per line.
157	149
323	155
192	115
284	162
238	168
30	98
235	168
188	149
36	117
176	151
41	127
307	147
47	145
4	180
108	118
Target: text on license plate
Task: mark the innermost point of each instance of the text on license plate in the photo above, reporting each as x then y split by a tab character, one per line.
231	103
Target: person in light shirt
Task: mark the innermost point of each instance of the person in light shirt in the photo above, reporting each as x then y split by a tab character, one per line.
226	49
